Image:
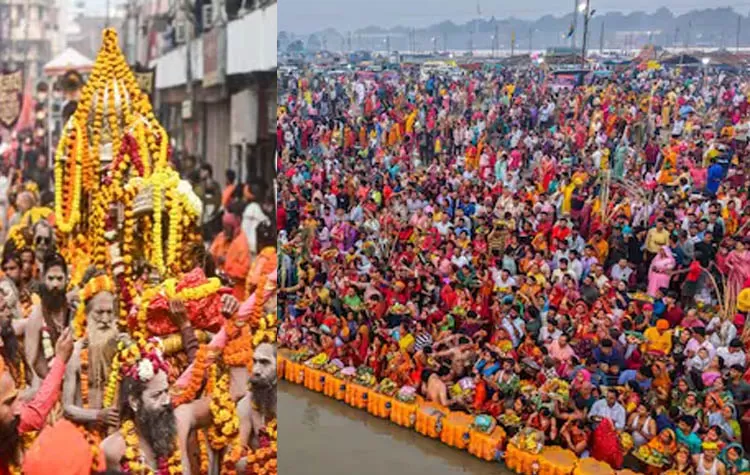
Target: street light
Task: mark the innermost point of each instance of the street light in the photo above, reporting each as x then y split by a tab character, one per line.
705	61
585	8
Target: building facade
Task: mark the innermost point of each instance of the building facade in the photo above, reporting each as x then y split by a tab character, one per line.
30	33
220	104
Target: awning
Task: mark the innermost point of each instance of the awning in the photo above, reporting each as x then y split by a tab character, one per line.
67	60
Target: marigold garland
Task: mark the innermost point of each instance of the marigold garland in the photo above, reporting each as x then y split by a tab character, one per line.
203	452
239	349
226	422
198	372
63	222
140	333
263	461
93	441
84	359
134	460
193	293
113	382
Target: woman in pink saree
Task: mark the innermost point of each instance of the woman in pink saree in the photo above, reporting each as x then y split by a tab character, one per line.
738	271
658	272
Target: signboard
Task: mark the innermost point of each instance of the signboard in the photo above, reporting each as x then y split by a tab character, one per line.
11	98
214	56
187	109
146	78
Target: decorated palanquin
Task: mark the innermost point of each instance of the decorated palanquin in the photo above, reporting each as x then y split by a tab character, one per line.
120	207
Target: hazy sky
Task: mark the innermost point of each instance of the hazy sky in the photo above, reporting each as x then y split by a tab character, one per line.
306	16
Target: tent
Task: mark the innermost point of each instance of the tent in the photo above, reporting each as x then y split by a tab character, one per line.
681	60
67	60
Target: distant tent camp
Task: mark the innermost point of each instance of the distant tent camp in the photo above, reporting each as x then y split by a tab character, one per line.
681	60
724	58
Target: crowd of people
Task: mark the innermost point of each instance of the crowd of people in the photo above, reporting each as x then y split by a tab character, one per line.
570	260
112	361
52	384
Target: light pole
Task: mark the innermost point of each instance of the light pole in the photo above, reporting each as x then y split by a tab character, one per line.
585	8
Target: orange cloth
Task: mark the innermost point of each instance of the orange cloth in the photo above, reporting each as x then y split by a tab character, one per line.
227	195
61	445
267	257
237	264
219	247
236	259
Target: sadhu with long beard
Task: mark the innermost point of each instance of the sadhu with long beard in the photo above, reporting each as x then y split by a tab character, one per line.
18	418
86	376
258	407
153	435
88	371
49	318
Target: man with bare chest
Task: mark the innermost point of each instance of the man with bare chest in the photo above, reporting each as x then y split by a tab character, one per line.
153	434
49	318
258	407
87	374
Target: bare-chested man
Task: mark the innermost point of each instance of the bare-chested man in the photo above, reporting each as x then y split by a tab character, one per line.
434	387
49	318
97	348
145	401
258	406
100	347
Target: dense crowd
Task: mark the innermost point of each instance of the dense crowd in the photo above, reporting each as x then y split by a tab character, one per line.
570	261
58	404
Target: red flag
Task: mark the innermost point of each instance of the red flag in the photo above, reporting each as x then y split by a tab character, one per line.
26	117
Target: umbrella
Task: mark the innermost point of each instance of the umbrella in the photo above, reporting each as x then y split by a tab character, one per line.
685	110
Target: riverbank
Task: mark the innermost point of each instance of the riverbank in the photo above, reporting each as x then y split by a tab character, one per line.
323	436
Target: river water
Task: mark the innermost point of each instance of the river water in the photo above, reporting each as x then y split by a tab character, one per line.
321	436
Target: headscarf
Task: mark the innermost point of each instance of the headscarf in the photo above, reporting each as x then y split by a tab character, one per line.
741	464
605	445
61	445
231	221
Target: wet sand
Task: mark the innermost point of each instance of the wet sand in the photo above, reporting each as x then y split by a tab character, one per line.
320	436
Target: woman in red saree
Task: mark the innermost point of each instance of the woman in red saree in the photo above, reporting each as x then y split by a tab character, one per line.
605	445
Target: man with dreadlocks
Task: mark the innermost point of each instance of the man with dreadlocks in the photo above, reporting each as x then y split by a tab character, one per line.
258	406
95	326
88	372
153	434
